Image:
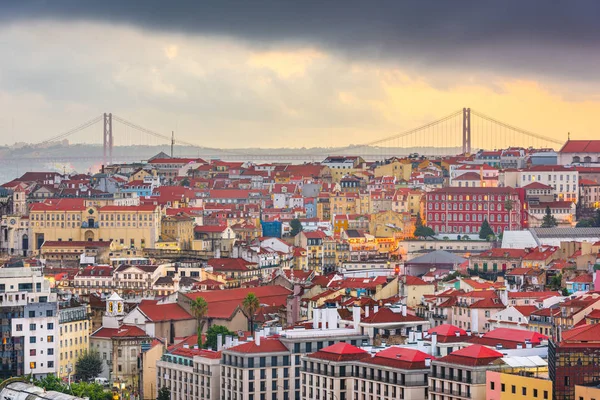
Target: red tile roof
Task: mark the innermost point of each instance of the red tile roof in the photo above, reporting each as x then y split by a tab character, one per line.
526	310
140	208
223	303
340	352
509	338
123	331
532	295
581	146
474	355
586	335
414	281
59	205
230	264
447	330
267	345
163	312
386	315
88	244
400	358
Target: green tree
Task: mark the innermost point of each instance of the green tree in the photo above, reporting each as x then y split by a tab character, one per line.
486	231
52	382
597	219
211	335
556	282
185	182
92	391
199	310
508	206
295	226
88	366
564	292
549	221
422	231
164	393
585	223
250	306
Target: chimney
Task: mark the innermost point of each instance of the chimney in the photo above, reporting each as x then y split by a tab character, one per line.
404	310
356	318
196	346
519	346
219	342
257	338
528	344
375	309
186	346
457	333
366	311
427	362
411	336
434	343
498	346
236	341
228	341
468	332
333	318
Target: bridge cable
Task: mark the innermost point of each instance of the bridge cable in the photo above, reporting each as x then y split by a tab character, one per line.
514	128
74	130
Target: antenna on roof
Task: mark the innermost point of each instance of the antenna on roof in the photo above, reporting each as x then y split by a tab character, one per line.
172	142
568	135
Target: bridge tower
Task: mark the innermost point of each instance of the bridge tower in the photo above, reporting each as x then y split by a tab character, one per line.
108	139
466	146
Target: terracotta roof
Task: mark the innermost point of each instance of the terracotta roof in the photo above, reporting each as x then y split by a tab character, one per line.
59	205
163	312
474	355
230	264
447	330
400	358
581	146
387	315
525	310
587	335
97	270
210	228
509	338
340	352
267	345
123	331
88	244
532	295
414	281
140	208
585	278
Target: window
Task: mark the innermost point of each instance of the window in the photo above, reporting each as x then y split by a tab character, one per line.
32	365
502	387
19	327
545	395
513	389
524	391
50	351
50	326
50	338
49	313
32	327
32	339
492	385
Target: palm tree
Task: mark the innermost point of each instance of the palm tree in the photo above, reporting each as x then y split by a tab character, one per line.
199	308
250	306
508	206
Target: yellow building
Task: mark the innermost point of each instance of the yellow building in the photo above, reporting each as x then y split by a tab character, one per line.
401	169
74	328
178	228
131	227
587	392
344	203
390	224
515	386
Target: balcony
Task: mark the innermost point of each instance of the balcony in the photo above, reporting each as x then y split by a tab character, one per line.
456	393
86	225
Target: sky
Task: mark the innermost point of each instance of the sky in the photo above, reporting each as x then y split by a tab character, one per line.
236	74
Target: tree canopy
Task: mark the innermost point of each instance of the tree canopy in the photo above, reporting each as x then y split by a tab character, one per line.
91	390
211	335
486	231
421	230
164	393
88	366
295	226
250	306
549	221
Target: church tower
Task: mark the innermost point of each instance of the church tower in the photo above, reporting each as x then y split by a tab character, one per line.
115	312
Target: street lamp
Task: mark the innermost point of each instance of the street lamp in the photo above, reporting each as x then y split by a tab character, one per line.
69	371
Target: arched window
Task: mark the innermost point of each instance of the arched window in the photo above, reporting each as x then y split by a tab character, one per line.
576	160
587	159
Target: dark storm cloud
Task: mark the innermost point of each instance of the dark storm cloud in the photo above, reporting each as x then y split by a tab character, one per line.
535	37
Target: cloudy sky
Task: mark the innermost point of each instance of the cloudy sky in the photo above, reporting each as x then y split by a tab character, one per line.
294	74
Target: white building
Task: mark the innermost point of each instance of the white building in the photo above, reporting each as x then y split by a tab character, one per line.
564	180
580	152
28	294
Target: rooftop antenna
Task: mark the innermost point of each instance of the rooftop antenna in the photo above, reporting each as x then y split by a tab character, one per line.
172	142
568	136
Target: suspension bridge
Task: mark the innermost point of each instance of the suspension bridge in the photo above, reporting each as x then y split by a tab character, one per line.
462	132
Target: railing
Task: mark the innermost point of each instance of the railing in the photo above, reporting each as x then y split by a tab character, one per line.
451	392
86	225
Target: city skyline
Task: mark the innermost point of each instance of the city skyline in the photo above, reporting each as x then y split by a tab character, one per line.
290	76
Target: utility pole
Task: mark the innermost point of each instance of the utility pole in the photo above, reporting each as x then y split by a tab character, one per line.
172	142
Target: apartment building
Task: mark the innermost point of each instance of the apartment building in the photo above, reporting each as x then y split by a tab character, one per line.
564	180
29	314
463	210
74	322
189	373
462	373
